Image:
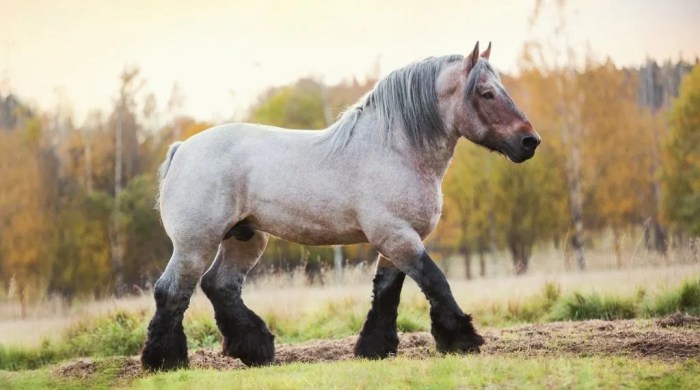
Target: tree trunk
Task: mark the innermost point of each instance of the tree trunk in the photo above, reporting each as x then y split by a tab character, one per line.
338	263
572	137
466	252
654	233
482	264
115	237
521	257
88	163
618	248
655	93
576	207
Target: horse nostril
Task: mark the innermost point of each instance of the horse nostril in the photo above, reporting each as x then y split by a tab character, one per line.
530	143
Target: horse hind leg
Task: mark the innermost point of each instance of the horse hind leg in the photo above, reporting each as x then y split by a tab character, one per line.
166	344
378	338
245	335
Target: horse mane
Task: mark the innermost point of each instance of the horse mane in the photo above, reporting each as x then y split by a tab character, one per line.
405	98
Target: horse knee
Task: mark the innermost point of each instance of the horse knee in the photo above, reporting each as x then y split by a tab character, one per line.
218	284
208	284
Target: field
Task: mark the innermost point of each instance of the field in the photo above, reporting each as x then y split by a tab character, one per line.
632	327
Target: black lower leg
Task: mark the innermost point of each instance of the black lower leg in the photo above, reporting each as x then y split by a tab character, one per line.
451	327
378	337
245	335
166	344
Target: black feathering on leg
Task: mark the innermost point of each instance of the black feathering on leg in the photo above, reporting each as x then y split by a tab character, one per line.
166	344
378	338
450	326
456	334
245	335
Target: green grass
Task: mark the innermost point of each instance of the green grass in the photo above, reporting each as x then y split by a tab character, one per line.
118	334
401	373
106	376
579	307
685	298
122	333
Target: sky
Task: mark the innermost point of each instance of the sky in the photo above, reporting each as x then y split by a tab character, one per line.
223	54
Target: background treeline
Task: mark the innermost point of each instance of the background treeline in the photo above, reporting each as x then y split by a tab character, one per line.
621	153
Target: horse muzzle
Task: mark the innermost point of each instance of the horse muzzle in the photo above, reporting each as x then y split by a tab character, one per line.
523	147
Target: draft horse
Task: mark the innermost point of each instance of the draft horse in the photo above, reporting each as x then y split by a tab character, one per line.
374	176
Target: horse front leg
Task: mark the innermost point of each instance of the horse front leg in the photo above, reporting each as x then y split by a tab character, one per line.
378	338
450	326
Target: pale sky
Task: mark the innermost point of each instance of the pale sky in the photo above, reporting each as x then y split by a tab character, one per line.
224	53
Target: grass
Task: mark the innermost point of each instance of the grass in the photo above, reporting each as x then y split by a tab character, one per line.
399	373
686	299
579	307
439	373
121	333
118	334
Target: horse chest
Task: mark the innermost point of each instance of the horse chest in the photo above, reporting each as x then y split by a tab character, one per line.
421	207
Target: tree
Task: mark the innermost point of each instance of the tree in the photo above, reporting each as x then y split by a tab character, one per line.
298	106
26	220
681	176
530	204
615	139
553	61
83	265
469	205
146	246
126	159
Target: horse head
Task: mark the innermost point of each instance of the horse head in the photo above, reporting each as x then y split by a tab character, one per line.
483	112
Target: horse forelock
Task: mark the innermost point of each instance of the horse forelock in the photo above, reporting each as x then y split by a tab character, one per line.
405	99
482	65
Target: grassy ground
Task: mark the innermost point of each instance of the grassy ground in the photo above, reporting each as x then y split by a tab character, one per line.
122	333
286	299
32	348
399	373
441	373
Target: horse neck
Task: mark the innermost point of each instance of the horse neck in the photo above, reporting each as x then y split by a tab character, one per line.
430	161
436	159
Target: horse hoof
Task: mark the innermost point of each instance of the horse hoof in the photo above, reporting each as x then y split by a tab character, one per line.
465	344
254	348
376	345
458	337
163	356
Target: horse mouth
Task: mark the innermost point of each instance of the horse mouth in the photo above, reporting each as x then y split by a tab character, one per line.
520	158
516	156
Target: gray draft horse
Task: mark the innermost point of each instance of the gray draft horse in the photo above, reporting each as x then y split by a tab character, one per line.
373	177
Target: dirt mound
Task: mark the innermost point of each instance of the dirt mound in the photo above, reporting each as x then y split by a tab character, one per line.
82	368
668	339
679	319
622	338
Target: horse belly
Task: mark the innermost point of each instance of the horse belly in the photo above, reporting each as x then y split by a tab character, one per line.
304	223
309	231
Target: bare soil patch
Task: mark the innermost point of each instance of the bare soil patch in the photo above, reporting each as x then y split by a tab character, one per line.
673	338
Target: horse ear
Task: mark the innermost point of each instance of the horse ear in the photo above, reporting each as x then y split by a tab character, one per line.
487	52
471	59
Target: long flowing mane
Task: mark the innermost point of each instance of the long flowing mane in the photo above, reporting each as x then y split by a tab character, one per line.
406	98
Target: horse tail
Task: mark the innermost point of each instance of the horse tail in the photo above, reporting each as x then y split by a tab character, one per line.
163	170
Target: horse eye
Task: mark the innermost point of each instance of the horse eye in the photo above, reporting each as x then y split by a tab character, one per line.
487	95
